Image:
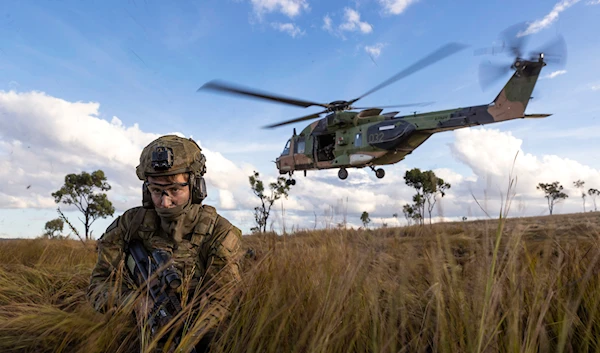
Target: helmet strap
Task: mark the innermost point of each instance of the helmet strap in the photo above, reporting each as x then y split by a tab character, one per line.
146	197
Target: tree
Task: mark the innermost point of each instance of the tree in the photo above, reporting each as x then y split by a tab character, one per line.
579	185
278	189
408	212
54	226
80	190
364	217
411	213
553	193
593	194
428	187
395	215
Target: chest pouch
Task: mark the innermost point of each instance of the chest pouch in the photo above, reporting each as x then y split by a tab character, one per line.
205	227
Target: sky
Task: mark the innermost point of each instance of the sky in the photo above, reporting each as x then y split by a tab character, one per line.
85	85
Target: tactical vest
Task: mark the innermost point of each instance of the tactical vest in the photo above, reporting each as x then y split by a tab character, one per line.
190	256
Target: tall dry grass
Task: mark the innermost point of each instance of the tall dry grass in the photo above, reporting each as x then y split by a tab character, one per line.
516	285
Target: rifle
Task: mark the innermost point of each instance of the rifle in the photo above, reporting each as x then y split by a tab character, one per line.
157	273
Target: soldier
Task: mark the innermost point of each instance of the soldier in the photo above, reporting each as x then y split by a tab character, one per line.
204	246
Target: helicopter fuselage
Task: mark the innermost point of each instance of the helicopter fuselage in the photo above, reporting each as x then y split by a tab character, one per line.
349	139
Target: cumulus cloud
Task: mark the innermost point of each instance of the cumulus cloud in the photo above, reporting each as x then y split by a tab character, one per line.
550	18
374	50
289	28
44	138
395	7
290	8
490	154
353	23
554	74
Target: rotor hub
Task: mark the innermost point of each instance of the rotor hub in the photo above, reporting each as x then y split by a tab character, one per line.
339	105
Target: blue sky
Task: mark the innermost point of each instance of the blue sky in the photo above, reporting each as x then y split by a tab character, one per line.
142	62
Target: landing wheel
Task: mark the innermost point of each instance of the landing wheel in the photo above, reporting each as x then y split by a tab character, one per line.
380	173
343	173
291	181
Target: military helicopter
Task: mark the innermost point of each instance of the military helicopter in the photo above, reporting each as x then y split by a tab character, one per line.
367	138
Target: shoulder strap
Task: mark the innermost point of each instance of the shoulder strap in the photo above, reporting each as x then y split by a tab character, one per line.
205	225
134	225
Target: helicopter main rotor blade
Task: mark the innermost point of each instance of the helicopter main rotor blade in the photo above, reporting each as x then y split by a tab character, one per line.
489	73
514	39
302	118
432	58
396	105
221	86
489	50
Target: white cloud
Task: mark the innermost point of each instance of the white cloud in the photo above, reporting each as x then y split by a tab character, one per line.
552	16
328	27
226	199
554	74
353	22
490	155
291	8
44	138
396	7
595	87
595	2
374	50
327	23
288	28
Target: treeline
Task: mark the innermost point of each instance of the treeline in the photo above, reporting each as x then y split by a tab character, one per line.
86	191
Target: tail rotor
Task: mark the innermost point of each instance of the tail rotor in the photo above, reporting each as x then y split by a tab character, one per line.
513	42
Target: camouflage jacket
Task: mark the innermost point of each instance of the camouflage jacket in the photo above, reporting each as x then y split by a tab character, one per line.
207	260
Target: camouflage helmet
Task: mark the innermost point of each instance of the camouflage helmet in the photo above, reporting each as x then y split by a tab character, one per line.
169	155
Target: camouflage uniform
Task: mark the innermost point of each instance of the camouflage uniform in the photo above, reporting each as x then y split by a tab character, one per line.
206	258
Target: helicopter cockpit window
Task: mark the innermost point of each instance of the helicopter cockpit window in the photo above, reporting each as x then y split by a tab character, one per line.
286	149
299	145
358	140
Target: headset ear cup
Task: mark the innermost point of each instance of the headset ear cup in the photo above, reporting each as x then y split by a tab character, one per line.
146	197
202	188
198	189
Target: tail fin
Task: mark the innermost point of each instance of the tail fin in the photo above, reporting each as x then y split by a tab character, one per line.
512	101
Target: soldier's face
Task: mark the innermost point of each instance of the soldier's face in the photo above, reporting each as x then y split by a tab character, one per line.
169	191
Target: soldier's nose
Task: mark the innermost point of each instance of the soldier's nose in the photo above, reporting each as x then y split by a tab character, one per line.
165	201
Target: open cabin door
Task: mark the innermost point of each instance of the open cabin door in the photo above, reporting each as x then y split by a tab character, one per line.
324	147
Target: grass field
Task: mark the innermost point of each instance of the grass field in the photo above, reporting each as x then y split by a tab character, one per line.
514	285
